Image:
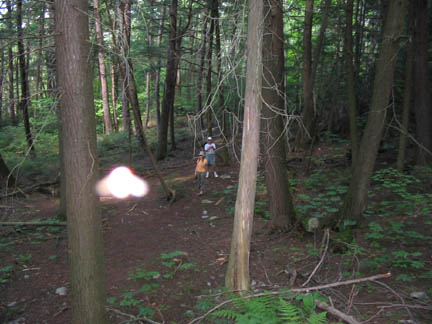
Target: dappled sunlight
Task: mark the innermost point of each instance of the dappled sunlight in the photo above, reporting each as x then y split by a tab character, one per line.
122	183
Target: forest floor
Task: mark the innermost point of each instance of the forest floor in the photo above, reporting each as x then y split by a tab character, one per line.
165	261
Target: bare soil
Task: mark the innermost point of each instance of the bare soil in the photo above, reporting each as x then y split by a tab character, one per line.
166	257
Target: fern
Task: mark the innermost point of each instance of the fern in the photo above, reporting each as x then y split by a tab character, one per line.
273	310
318	318
289	312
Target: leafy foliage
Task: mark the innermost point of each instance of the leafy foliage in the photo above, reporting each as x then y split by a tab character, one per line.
274	310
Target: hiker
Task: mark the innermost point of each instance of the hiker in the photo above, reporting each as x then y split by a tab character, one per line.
200	171
210	149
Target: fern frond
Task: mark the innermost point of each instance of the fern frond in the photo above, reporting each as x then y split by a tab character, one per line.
289	312
318	318
227	313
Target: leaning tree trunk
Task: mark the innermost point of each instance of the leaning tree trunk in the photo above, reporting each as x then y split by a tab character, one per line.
237	276
355	200
282	212
78	137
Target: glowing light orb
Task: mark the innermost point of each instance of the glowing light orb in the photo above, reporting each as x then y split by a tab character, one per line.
122	183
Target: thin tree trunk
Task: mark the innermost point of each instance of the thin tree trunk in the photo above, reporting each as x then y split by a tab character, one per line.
25	94
102	69
78	136
407	96
350	79
237	277
355	200
158	70
200	75
114	84
11	68
213	5
308	105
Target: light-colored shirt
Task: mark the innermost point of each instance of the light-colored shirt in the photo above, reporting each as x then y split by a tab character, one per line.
210	148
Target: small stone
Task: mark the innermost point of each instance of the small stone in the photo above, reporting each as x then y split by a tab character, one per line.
419	295
204	216
213	218
26	276
12	304
62	291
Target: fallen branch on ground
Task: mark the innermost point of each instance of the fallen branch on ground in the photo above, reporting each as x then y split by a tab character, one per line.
336	312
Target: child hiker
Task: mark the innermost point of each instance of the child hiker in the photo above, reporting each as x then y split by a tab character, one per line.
200	171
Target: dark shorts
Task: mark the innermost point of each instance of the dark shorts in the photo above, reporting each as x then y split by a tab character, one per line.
211	158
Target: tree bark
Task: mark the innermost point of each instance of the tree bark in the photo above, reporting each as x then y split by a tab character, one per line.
170	83
7	178
11	69
355	200
421	95
25	93
237	276
281	208
407	95
78	137
308	102
350	79
102	68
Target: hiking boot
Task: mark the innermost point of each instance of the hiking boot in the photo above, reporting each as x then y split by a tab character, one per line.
207	175
216	175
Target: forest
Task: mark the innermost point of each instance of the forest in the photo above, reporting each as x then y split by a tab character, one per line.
321	208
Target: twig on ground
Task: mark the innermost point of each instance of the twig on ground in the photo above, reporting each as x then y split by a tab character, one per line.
336	312
400	297
327	235
132	317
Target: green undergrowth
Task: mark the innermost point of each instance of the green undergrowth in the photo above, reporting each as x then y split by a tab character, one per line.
265	308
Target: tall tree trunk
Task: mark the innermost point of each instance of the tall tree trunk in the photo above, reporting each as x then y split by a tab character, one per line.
148	99
77	117
124	20
25	93
114	84
281	208
39	81
421	95
102	68
308	102
170	82
350	79
407	95
2	70
213	6
237	276
11	68
355	200
200	75
158	69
